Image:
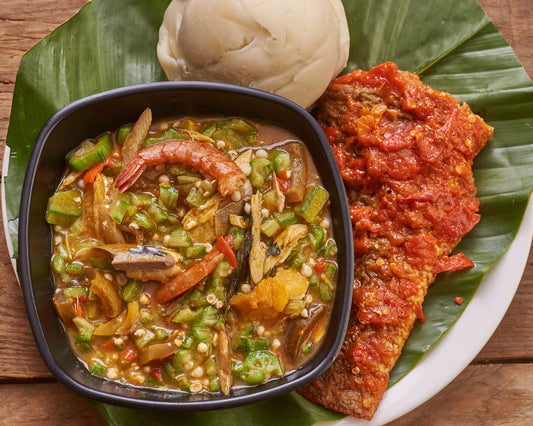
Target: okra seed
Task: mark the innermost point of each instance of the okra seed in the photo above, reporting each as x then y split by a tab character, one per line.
247	208
236	196
196	387
276	344
146	369
246	288
202	347
197	372
137	378
140	332
58	240
57	228
144	299
211	299
188	366
324	223
304	313
145	315
260	330
261	153
219	304
164	179
108	277
265	212
112	373
118	341
306	270
308	299
311	262
166	239
221	144
82	184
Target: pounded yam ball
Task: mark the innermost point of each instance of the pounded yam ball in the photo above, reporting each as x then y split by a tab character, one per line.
293	48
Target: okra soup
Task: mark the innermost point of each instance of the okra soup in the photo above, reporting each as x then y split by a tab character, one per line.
193	254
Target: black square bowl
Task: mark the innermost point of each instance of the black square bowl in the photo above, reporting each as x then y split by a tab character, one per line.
90	116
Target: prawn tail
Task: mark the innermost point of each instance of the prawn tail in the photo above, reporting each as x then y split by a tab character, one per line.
129	175
232	182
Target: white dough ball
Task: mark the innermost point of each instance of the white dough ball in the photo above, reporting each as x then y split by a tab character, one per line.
293	48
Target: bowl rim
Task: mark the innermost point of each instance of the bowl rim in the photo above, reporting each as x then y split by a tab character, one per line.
23	263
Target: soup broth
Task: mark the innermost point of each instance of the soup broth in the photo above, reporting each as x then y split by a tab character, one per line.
193	254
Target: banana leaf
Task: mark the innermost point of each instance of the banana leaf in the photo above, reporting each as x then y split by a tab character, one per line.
451	44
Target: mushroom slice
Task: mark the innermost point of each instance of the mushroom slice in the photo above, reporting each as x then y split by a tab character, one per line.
157	351
122	324
108	293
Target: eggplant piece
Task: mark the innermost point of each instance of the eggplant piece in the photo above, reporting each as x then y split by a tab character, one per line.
299	330
64	307
222	221
157	351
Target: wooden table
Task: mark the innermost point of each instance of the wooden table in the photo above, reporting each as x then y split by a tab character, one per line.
496	388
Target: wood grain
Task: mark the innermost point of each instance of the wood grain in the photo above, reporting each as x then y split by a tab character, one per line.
494	389
64	408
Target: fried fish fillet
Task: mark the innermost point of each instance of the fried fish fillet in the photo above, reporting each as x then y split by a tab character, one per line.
405	153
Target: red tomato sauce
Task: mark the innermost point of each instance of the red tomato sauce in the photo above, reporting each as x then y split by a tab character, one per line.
405	153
